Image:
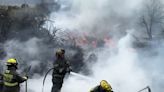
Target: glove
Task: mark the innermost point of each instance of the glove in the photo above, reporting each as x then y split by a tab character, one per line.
69	70
25	77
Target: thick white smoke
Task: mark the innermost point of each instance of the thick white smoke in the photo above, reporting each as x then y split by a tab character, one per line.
97	17
121	70
122	67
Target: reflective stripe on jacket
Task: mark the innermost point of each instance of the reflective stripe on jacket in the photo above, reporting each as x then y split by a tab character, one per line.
8	78
10	84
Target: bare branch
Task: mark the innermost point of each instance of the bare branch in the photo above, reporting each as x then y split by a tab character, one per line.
153	15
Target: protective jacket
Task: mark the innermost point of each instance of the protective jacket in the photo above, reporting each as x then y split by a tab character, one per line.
61	67
12	80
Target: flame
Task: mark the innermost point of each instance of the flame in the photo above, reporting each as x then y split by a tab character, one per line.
109	42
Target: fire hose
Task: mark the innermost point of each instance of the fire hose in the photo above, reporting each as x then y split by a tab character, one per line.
72	73
27	71
45	78
146	88
83	77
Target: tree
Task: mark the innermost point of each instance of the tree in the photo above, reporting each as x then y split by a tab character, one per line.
153	14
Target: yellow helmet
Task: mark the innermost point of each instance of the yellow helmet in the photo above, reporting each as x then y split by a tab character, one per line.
106	86
12	61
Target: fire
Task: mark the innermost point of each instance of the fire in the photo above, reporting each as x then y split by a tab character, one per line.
109	42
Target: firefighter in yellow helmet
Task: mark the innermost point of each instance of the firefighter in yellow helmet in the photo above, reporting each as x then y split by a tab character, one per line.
11	78
103	87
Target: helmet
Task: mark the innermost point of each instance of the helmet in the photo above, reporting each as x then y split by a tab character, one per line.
11	61
106	86
60	51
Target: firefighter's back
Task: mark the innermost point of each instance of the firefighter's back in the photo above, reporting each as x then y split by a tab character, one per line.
10	83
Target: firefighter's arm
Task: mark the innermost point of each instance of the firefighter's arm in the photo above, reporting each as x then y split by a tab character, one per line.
21	79
69	68
92	90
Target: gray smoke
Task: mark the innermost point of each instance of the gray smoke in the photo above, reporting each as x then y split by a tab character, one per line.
30	53
20	2
131	64
129	67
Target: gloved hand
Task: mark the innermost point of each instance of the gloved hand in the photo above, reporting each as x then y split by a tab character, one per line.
25	77
68	70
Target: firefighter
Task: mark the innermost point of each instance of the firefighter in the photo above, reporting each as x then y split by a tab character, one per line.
61	67
103	87
11	78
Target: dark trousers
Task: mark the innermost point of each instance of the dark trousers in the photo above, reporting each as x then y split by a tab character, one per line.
57	83
1	87
11	89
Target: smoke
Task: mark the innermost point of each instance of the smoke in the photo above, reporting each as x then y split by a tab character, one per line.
126	68
19	2
30	53
121	70
96	17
